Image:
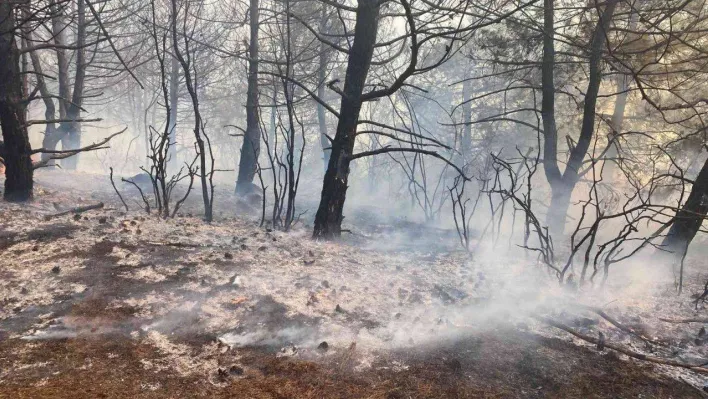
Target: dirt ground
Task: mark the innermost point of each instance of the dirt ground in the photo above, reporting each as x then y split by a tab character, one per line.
118	304
517	366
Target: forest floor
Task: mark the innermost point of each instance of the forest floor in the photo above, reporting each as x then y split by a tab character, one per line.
120	304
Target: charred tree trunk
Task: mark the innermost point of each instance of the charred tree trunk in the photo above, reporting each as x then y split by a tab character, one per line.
550	133
18	164
562	185
689	219
251	147
328	220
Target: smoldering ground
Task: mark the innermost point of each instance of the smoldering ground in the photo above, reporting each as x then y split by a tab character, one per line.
205	296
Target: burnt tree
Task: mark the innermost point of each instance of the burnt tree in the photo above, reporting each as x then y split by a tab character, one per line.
328	220
689	218
440	40
18	164
248	163
562	184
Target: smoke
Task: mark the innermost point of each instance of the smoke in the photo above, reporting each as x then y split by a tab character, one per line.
394	284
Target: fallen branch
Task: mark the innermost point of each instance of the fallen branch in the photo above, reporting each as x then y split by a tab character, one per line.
619	325
77	210
178	244
628	352
677	321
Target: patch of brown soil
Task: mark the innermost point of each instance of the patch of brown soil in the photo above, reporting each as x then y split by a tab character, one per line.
514	365
42	234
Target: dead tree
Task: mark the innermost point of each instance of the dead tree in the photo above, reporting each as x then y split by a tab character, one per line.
512	189
202	144
161	143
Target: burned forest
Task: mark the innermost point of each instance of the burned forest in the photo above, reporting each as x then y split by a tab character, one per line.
353	199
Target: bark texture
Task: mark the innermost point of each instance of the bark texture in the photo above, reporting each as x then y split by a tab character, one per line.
18	164
328	220
562	184
251	148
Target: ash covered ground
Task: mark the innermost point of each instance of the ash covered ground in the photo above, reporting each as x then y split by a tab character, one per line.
122	304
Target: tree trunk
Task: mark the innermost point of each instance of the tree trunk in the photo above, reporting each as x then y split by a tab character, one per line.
689	219
321	112
204	175
54	135
328	220
251	147
71	138
610	167
18	164
174	103
562	185
613	152
59	30
550	132
466	142
51	138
